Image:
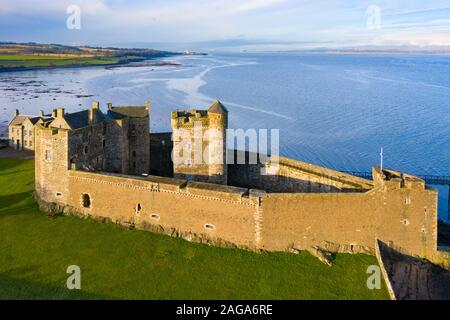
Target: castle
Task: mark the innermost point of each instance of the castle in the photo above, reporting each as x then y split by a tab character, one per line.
108	166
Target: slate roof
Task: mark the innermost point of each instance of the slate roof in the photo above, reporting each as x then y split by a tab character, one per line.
18	120
81	119
217	107
35	120
132	112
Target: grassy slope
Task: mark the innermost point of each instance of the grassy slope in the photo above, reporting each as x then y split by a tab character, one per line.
30	61
35	252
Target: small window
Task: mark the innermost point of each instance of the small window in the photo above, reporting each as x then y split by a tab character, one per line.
138	208
86	200
86	149
58	194
24	132
25	143
104	143
30	143
210	226
30	133
155	216
47	155
134	165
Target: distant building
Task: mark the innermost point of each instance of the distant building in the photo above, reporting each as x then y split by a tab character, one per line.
21	130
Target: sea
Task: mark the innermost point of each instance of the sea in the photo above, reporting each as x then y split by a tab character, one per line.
334	110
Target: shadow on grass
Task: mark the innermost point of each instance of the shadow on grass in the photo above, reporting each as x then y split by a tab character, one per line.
13	173
12	202
8	164
15	285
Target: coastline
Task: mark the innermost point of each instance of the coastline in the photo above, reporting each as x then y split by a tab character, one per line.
106	65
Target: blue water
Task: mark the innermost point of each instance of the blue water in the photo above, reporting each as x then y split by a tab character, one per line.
332	110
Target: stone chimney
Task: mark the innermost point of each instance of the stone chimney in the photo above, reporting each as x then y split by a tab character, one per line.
92	115
110	106
41	114
147	105
16	112
96	105
59	112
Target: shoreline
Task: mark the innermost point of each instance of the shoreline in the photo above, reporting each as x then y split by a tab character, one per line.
106	65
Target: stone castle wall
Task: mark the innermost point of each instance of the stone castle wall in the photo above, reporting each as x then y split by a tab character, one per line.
169	205
52	164
302	207
86	148
352	220
139	142
291	176
402	215
116	147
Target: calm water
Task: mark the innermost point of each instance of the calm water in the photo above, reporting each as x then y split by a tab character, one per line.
332	110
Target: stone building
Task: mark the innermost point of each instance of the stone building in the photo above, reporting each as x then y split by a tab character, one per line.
117	141
21	130
91	164
137	139
199	144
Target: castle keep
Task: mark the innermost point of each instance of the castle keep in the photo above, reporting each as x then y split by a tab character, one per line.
107	166
205	131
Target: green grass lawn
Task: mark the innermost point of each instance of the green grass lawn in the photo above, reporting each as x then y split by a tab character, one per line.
116	263
33	61
19	57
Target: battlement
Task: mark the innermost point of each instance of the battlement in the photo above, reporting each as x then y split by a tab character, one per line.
391	179
187	119
216	115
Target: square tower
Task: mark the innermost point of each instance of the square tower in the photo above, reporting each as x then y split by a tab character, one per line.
136	142
199	144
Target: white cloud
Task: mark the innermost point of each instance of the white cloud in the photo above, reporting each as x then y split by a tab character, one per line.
325	21
39	7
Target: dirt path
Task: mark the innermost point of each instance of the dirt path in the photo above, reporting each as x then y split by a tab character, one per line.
15	154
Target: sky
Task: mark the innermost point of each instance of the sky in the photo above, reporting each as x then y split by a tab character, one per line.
227	24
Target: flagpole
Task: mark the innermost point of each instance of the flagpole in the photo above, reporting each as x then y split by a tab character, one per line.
381	159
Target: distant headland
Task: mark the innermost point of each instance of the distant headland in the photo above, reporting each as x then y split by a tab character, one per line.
27	56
